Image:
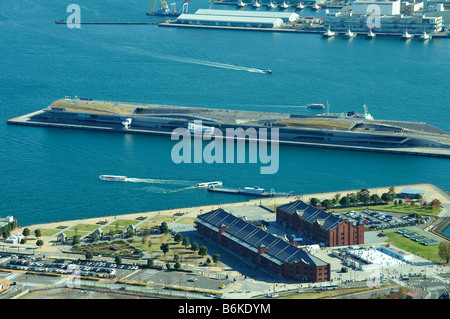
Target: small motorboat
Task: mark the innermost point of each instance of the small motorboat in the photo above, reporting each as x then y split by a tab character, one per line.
268	71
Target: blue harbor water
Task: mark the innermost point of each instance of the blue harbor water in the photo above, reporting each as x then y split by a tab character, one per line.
52	174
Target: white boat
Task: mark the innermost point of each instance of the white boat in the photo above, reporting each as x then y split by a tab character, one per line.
349	34
256	4
315	6
300	6
371	35
316	106
112	178
406	35
329	33
272	5
284	5
241	4
253	190
208	184
425	36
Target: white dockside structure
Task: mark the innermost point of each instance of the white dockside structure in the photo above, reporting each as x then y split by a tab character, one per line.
382	17
238	18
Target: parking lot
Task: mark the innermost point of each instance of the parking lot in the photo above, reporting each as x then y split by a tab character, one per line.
380	220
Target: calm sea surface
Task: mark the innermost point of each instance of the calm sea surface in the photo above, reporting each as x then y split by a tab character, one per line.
52	174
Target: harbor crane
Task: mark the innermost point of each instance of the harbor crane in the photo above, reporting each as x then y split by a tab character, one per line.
165	10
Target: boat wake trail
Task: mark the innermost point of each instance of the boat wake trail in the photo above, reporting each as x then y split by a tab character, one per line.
211	64
163	186
159	181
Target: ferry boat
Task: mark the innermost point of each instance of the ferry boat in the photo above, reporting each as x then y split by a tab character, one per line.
208	184
316	106
112	178
300	6
406	35
329	33
256	4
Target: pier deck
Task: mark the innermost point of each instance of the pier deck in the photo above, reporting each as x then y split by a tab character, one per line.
395	137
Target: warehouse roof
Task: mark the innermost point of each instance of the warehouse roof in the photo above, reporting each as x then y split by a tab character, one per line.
247	235
311	214
286	16
228	19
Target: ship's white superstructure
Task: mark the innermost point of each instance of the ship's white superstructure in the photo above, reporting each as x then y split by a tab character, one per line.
112	178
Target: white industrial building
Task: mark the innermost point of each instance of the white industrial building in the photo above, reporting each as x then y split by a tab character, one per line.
387	8
230	21
287	17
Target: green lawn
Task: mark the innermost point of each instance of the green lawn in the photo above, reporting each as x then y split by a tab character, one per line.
85	227
125	222
71	233
49	232
163	218
427	252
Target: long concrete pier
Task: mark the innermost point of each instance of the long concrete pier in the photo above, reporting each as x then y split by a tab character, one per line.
405	138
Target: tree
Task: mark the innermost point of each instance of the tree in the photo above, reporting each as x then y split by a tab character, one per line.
23	241
176	257
130	233
164	229
89	255
26	232
444	251
118	260
436	203
178	238
37	233
194	246
203	251
344	201
186	242
39	243
76	239
314	201
387	197
164	248
327	203
364	196
177	265
375	198
150	262
216	258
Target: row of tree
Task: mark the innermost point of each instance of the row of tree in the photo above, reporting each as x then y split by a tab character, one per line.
363	196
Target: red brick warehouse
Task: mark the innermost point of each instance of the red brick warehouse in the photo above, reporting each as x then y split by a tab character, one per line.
319	225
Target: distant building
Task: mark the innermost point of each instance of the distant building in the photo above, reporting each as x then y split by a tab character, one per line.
416	24
411	193
261	247
387	8
319	225
14	239
230	21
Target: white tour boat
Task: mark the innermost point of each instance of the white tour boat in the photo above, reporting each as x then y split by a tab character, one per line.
112	178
